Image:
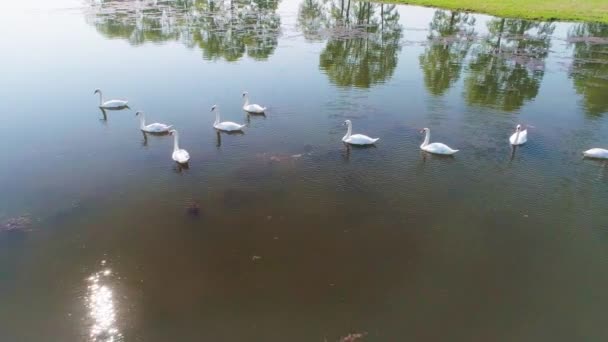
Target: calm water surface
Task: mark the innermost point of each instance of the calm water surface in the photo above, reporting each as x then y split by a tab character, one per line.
283	233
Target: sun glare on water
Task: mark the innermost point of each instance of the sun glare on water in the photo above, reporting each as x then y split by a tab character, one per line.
101	308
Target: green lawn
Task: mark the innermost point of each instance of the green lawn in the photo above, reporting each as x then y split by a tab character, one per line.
579	10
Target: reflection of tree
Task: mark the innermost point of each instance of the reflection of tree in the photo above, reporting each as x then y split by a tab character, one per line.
363	42
226	29
236	27
508	66
451	36
590	67
312	18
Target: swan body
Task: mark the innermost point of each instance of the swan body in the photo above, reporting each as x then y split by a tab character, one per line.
179	155
436	148
252	108
598	153
357	139
227	126
110	104
519	137
152	128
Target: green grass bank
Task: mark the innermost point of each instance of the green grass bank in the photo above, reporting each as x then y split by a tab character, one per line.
567	10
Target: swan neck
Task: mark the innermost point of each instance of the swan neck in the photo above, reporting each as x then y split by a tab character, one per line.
517	136
246	100
142	121
175	141
349	131
100	98
217	116
427	137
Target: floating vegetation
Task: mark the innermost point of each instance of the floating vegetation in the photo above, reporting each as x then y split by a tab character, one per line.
587	40
353	337
16	224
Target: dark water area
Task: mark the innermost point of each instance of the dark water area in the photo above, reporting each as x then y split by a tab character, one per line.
283	233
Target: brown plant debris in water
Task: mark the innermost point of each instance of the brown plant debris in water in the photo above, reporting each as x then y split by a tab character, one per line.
193	208
279	158
353	337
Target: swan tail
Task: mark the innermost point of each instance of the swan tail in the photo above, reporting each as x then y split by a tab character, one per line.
374	141
454	151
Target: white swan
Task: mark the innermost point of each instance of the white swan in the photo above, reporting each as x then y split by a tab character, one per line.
519	137
357	139
252	108
227	126
598	153
436	148
179	155
110	104
151	128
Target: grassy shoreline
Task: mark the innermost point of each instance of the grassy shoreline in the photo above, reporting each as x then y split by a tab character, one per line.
565	10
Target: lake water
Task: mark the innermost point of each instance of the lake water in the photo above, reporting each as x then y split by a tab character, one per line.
283	233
